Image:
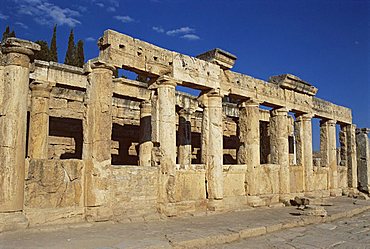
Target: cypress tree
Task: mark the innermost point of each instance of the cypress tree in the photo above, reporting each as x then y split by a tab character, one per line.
44	53
69	59
53	46
12	34
6	33
79	56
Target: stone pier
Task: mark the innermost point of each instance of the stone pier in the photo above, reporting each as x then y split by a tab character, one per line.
97	138
249	137
13	119
280	147
328	151
303	131
184	154
98	121
351	163
167	137
39	120
214	164
363	159
146	144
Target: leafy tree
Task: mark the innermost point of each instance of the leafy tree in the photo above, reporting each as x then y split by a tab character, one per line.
53	53
79	56
70	54
44	53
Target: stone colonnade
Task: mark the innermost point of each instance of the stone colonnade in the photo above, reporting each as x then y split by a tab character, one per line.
160	128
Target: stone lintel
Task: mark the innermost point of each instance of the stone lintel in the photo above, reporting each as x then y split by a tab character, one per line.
219	57
292	82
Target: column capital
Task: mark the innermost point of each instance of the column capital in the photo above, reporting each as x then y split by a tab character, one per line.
97	64
165	80
249	103
362	130
40	88
16	45
281	111
214	93
328	122
145	103
185	112
303	117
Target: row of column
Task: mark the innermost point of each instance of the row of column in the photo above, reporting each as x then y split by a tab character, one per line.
98	130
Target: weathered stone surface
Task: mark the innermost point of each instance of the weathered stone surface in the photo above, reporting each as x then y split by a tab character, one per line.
220	57
292	82
363	159
13	121
144	149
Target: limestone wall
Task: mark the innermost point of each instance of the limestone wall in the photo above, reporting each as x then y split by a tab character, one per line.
54	191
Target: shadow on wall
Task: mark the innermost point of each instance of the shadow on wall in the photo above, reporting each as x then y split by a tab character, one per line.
125	144
231	146
65	138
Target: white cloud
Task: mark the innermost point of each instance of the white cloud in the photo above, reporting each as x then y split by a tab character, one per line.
101	5
186	33
115	3
158	29
124	19
47	13
90	39
111	9
190	37
3	17
21	24
179	31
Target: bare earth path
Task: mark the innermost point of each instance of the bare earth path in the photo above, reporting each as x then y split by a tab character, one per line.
345	233
212	230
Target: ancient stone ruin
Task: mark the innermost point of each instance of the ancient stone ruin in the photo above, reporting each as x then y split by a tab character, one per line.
85	144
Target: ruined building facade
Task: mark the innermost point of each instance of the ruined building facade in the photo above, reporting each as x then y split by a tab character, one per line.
85	144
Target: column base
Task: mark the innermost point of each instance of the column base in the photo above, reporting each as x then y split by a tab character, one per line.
336	192
98	214
215	205
13	221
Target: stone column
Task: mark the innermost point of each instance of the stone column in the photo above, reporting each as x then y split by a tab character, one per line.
185	152
167	135
363	159
97	135
205	129
280	146
13	119
146	145
39	120
328	152
303	131
350	131
98	118
249	136
214	161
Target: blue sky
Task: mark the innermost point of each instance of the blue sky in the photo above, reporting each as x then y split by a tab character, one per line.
323	42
